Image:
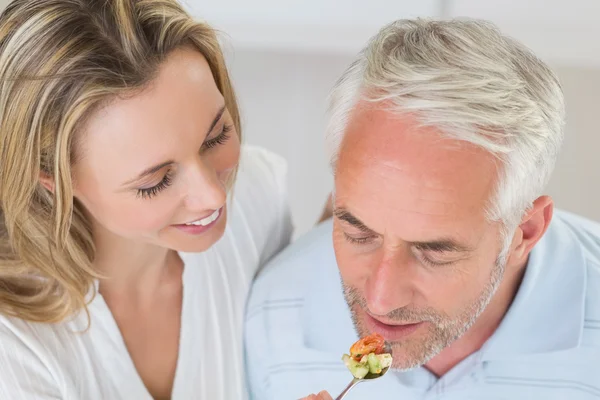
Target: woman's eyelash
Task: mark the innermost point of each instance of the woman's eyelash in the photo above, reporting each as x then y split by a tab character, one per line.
148	193
222	138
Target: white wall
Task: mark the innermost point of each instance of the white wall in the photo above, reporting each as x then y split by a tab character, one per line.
282	98
576	182
314	12
564	31
332	25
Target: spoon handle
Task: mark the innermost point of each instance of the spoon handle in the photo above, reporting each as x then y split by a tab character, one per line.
354	382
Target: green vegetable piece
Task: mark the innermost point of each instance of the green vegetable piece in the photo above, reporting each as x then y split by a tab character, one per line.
385	360
374	364
357	369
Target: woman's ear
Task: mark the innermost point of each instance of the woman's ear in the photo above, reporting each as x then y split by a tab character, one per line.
47	181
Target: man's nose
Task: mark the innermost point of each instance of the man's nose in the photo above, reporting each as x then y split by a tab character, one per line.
391	285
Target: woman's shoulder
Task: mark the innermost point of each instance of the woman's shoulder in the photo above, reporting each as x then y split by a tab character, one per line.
44	340
20	333
262	170
261	181
32	352
58	360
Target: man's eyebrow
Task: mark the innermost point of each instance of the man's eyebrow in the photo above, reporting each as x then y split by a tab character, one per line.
347	216
442	245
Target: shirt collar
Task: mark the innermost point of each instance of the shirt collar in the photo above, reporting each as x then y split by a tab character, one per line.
547	313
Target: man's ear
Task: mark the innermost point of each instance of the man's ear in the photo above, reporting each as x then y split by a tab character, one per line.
533	226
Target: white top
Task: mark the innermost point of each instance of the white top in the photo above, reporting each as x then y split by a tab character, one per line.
547	346
41	361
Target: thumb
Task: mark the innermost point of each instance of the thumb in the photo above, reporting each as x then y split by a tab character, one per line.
321	396
324	396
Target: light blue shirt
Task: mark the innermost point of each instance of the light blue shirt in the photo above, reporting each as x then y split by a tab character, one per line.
547	346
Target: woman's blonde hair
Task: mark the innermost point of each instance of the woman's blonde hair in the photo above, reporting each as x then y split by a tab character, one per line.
60	60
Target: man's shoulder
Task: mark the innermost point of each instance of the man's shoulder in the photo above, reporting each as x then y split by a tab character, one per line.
584	231
591	324
297	265
587	235
297	323
301	290
303	274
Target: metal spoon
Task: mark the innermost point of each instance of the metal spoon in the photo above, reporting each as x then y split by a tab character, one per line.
368	377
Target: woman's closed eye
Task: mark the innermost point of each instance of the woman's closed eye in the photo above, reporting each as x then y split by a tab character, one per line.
219	139
147	193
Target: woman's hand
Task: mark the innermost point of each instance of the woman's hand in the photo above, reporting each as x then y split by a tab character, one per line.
321	396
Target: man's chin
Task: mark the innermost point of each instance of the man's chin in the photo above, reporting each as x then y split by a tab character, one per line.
409	355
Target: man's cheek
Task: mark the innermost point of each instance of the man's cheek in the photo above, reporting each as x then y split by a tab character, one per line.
345	273
353	274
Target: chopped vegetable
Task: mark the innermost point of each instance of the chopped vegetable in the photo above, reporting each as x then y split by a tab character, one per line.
369	344
367	357
385	359
374	364
358	369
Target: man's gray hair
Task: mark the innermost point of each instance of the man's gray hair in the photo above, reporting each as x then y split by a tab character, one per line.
474	84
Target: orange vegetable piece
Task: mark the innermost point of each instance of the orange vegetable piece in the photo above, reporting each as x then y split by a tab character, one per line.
374	343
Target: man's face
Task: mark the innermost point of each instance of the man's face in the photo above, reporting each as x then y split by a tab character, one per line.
418	260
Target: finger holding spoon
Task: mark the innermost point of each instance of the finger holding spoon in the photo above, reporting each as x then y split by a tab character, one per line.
320	396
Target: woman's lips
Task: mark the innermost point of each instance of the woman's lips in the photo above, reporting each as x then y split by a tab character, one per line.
198	228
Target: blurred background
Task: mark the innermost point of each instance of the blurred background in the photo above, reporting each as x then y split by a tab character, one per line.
284	56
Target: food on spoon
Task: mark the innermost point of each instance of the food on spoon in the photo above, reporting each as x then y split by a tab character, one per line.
368	356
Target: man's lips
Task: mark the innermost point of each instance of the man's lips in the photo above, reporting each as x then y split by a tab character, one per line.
391	331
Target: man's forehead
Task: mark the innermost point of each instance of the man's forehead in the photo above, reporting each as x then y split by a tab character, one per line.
383	142
412	173
390	133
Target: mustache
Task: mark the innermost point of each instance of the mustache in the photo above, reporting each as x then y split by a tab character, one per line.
404	314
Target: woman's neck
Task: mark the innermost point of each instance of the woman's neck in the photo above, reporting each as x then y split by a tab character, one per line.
132	268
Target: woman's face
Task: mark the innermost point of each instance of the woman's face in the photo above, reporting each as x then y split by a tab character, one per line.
154	167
